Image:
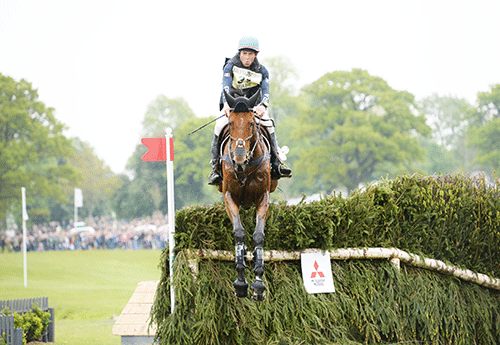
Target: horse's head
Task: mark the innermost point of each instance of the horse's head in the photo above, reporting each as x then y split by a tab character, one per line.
241	128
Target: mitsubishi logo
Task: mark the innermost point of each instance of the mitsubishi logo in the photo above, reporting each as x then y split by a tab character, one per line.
319	273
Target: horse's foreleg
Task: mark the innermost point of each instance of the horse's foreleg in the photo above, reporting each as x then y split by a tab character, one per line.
258	254
240	285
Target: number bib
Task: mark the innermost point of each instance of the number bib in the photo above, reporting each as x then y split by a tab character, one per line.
245	79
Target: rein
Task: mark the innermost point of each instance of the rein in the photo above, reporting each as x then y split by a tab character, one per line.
255	162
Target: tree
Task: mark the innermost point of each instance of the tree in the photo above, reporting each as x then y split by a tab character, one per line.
283	77
485	129
132	199
164	112
98	182
284	108
448	118
355	128
191	168
33	151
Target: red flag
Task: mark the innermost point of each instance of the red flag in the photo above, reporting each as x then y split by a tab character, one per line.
157	149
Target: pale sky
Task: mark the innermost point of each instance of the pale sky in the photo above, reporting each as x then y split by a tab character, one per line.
100	63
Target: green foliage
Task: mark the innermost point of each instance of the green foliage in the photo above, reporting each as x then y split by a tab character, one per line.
447	116
33	151
165	112
146	192
452	218
446	148
33	323
282	89
485	129
191	176
356	126
97	181
373	304
87	289
285	109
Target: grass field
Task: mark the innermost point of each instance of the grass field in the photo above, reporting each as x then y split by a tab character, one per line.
87	289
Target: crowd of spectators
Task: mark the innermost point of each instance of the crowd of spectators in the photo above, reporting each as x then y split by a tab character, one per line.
146	233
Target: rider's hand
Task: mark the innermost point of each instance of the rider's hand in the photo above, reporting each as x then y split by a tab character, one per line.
226	109
260	110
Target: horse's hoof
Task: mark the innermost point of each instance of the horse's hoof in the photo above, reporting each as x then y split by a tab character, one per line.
240	288
241	294
259	289
258	284
256	296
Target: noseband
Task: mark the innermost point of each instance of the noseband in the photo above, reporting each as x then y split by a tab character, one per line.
240	146
240	142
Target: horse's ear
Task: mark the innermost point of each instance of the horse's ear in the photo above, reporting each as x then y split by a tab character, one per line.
253	99
229	99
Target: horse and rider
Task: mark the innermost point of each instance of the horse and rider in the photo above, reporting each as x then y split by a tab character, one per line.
245	159
244	76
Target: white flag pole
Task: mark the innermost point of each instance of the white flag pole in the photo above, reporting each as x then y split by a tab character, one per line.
171	209
75	216
25	218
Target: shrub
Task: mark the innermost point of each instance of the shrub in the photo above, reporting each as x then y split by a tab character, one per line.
451	218
33	323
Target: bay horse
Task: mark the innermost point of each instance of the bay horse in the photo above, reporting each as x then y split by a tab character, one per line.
246	171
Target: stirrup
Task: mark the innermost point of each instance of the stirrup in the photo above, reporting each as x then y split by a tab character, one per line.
280	171
284	171
214	178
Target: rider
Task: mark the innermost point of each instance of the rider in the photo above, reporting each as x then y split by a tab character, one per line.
243	76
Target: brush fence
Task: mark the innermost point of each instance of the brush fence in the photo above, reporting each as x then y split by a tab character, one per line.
393	254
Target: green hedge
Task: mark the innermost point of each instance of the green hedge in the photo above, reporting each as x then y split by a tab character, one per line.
34	323
451	218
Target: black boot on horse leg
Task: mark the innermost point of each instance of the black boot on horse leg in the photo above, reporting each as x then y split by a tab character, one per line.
215	178
278	169
240	284
258	286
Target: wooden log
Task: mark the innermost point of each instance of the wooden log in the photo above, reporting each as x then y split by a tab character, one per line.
393	254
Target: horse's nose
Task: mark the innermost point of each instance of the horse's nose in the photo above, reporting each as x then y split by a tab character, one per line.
240	168
240	151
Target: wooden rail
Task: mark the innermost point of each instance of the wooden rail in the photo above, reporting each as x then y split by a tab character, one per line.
393	254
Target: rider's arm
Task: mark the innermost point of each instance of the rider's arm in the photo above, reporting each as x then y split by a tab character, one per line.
227	79
265	87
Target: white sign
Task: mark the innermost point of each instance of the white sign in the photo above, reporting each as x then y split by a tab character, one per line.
317	272
78	197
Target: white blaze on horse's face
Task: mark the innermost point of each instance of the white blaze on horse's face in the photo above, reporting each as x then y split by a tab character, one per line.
241	127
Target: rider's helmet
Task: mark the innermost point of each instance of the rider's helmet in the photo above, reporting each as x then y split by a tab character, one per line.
249	43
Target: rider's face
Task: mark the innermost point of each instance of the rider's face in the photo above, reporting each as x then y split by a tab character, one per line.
247	57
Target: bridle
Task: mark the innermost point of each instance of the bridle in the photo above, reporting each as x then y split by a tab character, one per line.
241	142
256	128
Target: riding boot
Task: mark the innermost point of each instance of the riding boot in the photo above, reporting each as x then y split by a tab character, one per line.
278	169
215	178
